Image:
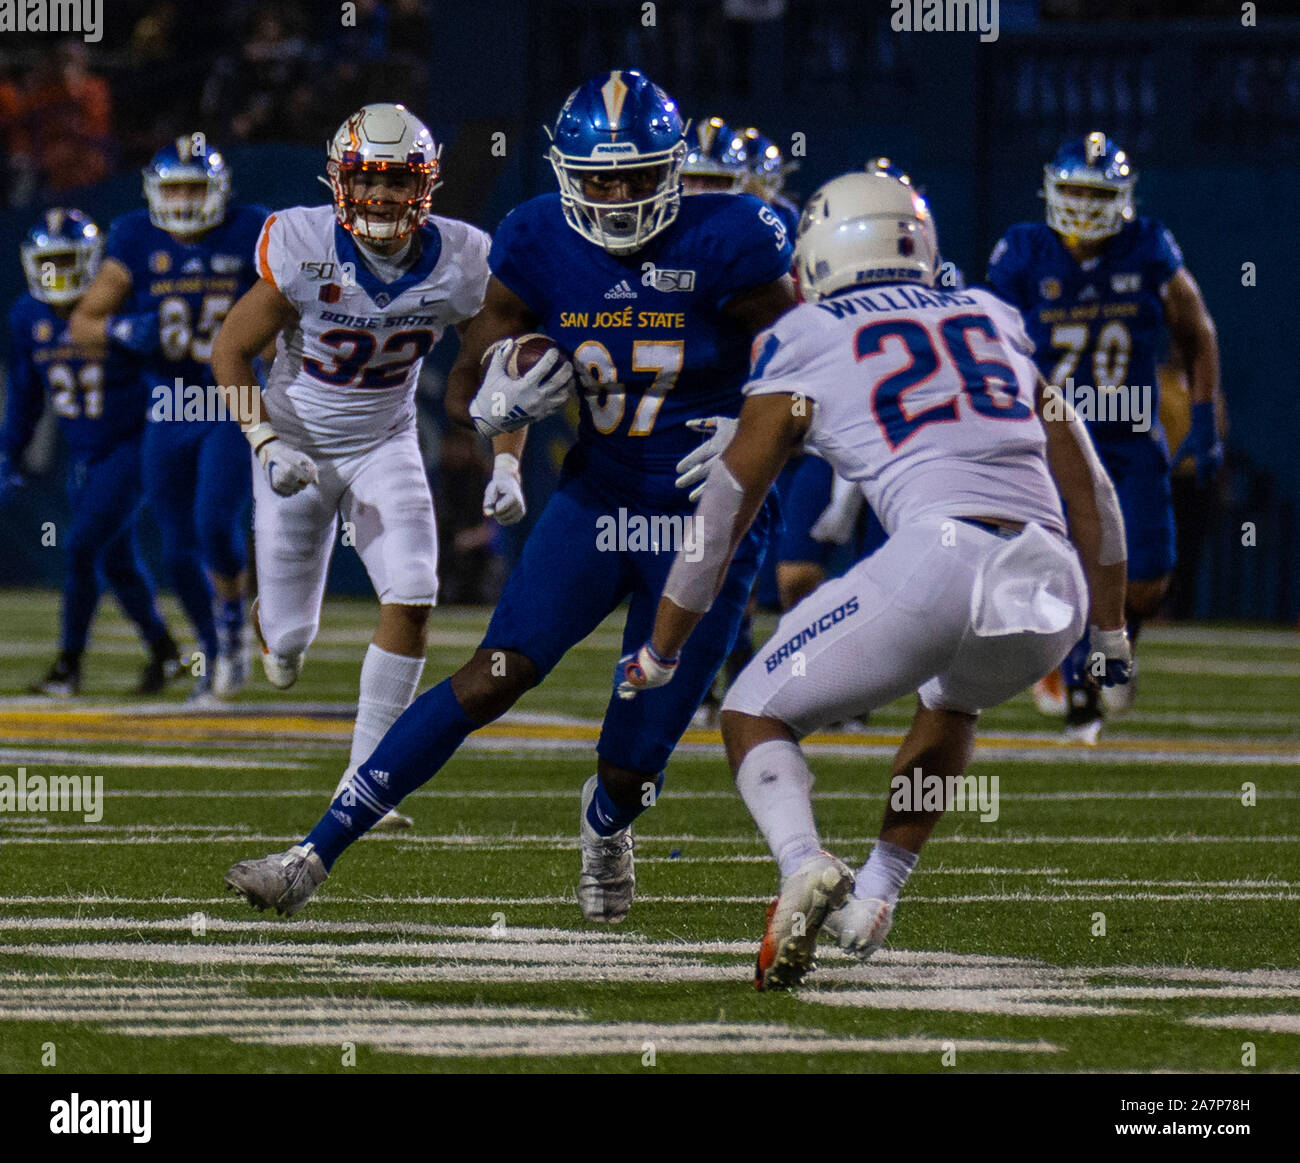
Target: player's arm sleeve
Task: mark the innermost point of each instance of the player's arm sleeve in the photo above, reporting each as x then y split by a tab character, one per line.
1167	260
752	248
469	296
1004	271
517	262
24	395
271	256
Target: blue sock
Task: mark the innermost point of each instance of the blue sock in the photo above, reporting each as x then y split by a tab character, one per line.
230	624
416	746
606	817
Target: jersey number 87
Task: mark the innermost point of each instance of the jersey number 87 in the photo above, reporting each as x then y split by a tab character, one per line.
607	397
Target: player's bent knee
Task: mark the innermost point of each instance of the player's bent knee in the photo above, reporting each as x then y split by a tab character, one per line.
491	682
287	641
741	733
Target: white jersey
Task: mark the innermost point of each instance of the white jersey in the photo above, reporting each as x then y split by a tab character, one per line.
924	397
344	377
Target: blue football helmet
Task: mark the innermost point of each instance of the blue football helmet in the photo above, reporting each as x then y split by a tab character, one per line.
711	160
619	128
1096	162
60	256
761	158
170	186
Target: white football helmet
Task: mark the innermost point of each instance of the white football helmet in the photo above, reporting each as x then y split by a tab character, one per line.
383	149
865	228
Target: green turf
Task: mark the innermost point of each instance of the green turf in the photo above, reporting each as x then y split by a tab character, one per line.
475	909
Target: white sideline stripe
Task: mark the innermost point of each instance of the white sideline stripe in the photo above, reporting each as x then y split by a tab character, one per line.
1265	1023
1222	667
1002	1002
29	758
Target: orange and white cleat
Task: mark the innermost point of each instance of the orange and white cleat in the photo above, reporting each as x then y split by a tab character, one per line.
808	896
1049	694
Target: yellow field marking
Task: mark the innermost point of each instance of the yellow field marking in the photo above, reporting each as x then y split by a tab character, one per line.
106	725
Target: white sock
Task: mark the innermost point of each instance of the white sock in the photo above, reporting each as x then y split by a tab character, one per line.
885	873
776	785
388	683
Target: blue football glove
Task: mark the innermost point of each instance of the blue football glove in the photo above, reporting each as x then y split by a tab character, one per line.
1203	443
1099	658
138	332
642	671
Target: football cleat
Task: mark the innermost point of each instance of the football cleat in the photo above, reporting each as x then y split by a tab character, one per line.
284	881
794	919
62	681
608	877
1083	716
201	697
1119	699
282	671
162	667
390	821
230	673
1049	694
860	926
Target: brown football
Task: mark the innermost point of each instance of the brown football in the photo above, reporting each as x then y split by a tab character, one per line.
525	352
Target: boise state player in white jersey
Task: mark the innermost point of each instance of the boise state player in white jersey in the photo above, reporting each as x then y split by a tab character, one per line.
169	276
657	297
927	399
354	295
100	401
1099	286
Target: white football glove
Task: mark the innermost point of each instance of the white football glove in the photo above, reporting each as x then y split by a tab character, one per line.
504	498
694	466
642	671
288	470
840	518
505	404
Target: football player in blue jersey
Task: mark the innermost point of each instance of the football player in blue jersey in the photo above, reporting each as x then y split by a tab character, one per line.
657	299
767	169
712	166
1098	286
100	401
170	274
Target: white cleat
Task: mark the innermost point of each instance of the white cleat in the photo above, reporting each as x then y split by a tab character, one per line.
1086	733
230	673
284	881
794	919
860	926
1119	699
391	821
608	877
282	670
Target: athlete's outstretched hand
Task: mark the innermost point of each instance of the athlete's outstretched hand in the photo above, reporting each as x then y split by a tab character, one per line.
694	466
642	671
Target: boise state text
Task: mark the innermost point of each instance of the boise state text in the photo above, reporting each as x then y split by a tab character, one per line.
647	331
99	401
190	285
791	646
1100	326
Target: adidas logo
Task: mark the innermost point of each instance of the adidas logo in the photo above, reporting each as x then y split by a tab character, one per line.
622	291
193	266
380	777
1088	293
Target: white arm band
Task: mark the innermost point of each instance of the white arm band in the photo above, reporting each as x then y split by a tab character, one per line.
1113	549
259	436
696	575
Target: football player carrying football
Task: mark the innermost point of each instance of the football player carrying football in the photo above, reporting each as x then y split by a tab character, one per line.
926	397
169	276
1098	286
100	401
657	298
354	295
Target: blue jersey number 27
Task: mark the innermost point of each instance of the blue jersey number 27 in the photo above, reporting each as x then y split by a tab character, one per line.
989	384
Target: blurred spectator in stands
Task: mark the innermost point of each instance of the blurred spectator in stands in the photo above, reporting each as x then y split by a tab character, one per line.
67	118
153	39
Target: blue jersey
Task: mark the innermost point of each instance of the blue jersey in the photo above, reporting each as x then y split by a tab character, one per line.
99	402
1101	323
189	284
647	331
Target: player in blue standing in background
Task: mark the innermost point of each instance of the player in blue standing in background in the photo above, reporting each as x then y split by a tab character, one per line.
1098	285
658	299
100	401
170	274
